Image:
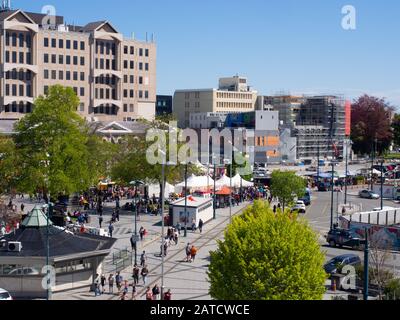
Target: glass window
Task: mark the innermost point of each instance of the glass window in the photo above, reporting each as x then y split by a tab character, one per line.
68	75
46	89
28	58
75	60
68	59
82	45
14	39
147	52
14	57
131	94
140	66
68	44
132	65
132	79
146	67
61	75
146	94
7	56
82	76
21	39
14	90
75	45
61	43
7	38
125	108
82	61
46	42
53	43
125	49
140	80
82	107
75	76
125	64
125	78
131	109
53	58
140	94
21	90
46	74
132	50
125	93
141	52
54	74
21	57
61	59
82	92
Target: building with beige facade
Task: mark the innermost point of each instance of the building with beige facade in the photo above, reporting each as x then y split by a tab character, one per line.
114	77
232	96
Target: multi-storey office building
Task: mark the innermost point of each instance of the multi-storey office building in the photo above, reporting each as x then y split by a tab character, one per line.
163	105
232	96
114	77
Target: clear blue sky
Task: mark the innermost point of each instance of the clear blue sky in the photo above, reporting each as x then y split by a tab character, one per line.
295	46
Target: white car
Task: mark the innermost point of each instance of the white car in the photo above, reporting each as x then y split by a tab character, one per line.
300	207
4	295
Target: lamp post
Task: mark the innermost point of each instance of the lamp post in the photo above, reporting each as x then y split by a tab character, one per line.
215	189
162	229
382	161
332	192
136	213
346	174
366	266
186	216
230	162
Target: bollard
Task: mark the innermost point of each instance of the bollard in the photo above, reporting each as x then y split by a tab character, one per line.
333	286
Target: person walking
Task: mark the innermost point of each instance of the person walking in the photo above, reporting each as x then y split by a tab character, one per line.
103	283
100	221
141	233
193	225
149	294
133	243
188	251
144	274
143	259
111	284
118	281
179	227
193	253
97	288
156	292
135	274
201	224
134	291
168	295
110	230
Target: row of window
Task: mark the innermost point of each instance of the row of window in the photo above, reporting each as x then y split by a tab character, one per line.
53	58
21	90
140	65
20	108
139	94
107	109
132	51
132	79
19	75
101	93
78	91
53	43
234	95
131	108
19	57
60	75
235	105
23	39
105	48
196	104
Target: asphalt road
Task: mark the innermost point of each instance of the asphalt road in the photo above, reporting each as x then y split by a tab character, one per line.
319	215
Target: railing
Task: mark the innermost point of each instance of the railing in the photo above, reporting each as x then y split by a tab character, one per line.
122	259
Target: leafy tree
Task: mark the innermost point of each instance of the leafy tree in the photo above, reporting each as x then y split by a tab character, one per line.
371	120
51	146
267	257
286	186
7	164
396	129
392	290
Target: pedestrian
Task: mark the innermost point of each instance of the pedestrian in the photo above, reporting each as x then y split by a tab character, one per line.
133	243
126	288
141	233
118	281
117	214
201	224
193	253
149	294
144	274
168	295
179	227
188	251
143	259
110	229
156	292
176	238
100	221
97	288
193	225
111	284
274	208
134	291
103	283
22	207
135	274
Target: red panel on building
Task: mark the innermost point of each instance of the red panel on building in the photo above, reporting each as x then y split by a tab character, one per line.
348	118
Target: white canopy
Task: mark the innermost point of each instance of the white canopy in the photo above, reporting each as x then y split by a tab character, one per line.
155	189
197	182
238	181
225	181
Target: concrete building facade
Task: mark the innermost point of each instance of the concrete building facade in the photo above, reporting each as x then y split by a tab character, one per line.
114	77
232	96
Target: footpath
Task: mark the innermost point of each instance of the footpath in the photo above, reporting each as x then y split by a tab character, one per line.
187	281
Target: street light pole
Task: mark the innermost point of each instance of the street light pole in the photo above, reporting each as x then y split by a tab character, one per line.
332	191
366	266
382	161
347	168
230	194
186	217
215	187
162	230
136	215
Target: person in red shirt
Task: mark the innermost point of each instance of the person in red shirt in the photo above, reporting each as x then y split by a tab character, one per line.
168	295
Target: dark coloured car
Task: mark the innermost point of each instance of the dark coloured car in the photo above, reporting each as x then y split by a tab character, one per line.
336	264
344	238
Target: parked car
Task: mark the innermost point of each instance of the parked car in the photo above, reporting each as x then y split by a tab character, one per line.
343	238
312	169
336	264
5	295
27	271
367	194
299	206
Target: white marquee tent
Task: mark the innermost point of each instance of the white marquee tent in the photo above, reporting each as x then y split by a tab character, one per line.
194	182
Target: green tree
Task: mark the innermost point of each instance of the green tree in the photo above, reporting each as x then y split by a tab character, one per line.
396	129
286	186
267	257
51	146
8	169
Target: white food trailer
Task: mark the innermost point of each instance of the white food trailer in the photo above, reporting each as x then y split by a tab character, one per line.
197	208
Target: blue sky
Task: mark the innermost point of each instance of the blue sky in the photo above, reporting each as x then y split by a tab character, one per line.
296	46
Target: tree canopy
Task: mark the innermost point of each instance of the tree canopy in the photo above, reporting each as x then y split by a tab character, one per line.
371	120
54	150
267	257
286	186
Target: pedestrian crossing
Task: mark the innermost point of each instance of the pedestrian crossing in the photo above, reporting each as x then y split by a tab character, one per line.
122	231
